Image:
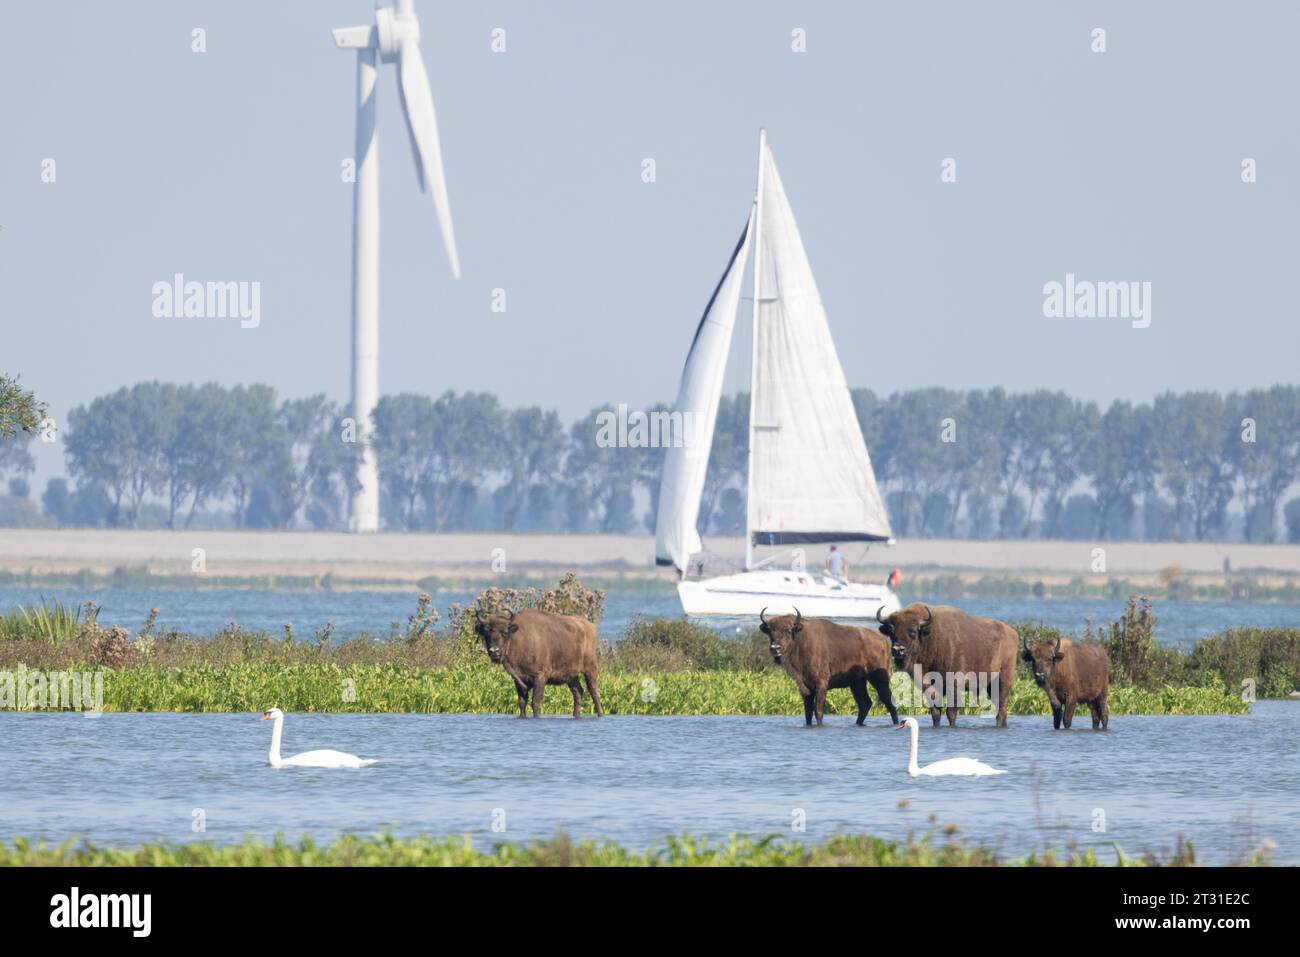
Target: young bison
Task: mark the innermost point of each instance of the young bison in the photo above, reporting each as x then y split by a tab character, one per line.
538	649
1071	674
820	654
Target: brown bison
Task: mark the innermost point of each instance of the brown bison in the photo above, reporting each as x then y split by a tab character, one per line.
964	652
538	649
1071	674
820	654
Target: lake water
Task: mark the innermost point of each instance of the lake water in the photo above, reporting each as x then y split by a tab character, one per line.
1225	783
204	611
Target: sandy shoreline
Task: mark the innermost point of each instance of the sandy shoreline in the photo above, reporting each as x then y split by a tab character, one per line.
399	557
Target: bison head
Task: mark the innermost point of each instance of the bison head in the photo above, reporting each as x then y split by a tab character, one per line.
781	632
495	630
1042	658
906	629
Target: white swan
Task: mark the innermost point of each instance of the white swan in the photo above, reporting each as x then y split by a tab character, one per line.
942	768
308	759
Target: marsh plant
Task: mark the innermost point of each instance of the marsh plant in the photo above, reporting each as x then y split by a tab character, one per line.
847	850
53	623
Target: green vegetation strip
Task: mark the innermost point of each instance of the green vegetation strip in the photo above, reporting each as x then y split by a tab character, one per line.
482	689
561	851
662	666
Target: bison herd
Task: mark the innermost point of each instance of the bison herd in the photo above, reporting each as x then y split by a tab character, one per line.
947	652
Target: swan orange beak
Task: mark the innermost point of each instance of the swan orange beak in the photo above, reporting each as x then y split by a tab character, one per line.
264	717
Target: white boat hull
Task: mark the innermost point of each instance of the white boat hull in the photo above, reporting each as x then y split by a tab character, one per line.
780	592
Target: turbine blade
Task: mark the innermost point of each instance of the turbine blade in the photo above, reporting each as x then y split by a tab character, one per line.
421	122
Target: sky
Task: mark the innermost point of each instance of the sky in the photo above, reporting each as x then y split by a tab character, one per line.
225	165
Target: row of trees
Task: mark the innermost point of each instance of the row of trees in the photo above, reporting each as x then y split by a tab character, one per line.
185	451
980	463
1045	465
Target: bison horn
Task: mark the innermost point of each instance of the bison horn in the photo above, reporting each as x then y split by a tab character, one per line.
929	615
761	614
798	618
510	613
878	611
1058	644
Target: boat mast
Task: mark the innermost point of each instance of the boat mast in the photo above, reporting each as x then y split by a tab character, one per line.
753	359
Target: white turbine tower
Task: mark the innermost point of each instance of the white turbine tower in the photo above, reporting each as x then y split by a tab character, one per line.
394	37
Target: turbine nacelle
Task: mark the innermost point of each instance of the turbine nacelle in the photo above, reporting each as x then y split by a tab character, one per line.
354	38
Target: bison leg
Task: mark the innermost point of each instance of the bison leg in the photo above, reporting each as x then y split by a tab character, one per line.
952	716
539	689
1103	705
880	681
819	697
594	692
862	696
1056	716
1005	680
521	690
809	708
576	687
1068	716
936	714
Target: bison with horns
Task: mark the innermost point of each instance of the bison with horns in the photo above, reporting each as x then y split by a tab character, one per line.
820	654
953	652
538	648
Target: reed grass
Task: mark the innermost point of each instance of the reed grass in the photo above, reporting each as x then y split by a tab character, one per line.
53	624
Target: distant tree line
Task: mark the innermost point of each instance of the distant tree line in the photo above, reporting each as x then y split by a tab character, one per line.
979	464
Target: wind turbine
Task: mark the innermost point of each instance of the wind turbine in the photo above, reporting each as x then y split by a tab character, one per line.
394	37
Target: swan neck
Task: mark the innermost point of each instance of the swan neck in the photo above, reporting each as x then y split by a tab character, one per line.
912	766
275	741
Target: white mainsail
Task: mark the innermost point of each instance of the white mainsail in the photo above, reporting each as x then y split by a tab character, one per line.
810	477
685	465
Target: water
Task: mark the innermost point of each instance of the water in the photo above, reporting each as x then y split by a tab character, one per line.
1225	783
205	611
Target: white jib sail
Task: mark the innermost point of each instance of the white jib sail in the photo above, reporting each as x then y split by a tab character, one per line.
685	465
811	478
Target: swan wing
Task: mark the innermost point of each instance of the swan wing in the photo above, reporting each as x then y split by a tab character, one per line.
327	759
958	766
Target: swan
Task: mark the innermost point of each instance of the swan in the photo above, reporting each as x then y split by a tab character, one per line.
942	768
308	759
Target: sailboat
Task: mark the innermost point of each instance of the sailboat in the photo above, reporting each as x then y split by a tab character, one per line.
810	479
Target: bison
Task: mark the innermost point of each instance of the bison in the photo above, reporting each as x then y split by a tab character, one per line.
1071	674
820	654
961	649
537	649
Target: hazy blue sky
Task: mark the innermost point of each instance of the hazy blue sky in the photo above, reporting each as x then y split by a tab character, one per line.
225	165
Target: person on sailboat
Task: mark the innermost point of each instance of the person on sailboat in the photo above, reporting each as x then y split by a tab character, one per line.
836	567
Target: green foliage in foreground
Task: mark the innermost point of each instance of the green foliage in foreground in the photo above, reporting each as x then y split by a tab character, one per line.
561	851
483	689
